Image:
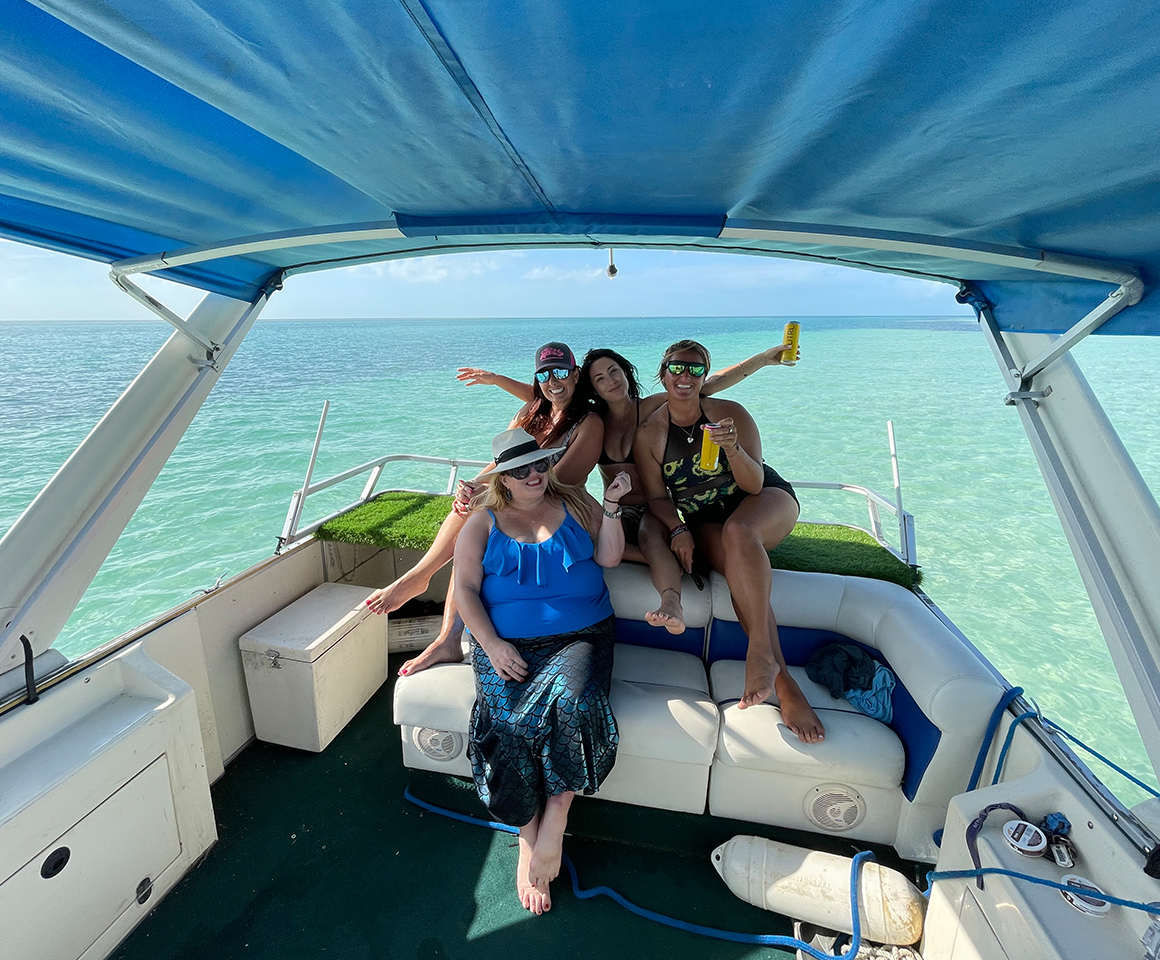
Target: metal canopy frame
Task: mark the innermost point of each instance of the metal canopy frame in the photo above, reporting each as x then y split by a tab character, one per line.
1128	617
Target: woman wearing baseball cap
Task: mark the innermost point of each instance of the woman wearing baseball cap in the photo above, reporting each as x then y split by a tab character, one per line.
530	586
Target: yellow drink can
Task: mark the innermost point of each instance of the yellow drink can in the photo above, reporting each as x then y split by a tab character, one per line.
710	452
790	338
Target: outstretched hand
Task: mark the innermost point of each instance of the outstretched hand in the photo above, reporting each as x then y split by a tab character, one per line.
476	376
780	354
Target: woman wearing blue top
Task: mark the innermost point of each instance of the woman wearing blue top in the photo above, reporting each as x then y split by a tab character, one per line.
530	588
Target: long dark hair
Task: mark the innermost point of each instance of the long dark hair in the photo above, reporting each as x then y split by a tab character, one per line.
537	415
585	384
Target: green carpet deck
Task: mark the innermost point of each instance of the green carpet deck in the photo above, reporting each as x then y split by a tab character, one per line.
396	519
321	856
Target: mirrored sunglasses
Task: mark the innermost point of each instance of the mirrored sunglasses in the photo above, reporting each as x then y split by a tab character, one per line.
521	473
677	367
560	373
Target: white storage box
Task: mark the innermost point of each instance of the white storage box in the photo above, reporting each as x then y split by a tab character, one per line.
313	665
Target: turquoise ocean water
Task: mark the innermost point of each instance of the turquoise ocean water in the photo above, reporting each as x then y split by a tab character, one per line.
991	548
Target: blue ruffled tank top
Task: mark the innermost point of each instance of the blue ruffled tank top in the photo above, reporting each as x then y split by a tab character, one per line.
539	589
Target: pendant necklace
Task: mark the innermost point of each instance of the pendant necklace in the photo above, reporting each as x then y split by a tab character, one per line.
690	432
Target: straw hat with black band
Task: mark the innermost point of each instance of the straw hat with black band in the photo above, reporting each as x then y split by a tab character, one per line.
515	448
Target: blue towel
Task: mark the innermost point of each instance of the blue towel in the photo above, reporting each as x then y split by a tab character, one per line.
876	701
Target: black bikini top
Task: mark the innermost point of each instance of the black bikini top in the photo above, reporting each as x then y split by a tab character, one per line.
607	461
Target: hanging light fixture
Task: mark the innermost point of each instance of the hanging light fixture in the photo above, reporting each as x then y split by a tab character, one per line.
611	271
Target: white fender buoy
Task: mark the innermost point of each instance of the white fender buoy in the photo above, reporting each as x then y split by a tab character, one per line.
814	886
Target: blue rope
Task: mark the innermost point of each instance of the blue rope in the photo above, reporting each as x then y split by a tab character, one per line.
1099	756
993	726
989	736
934	876
1026	715
760	939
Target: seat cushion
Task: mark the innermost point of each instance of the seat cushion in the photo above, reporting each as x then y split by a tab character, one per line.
664	722
633	595
857	749
440	697
660	699
650	665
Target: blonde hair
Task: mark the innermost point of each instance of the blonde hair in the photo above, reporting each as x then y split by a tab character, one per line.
495	496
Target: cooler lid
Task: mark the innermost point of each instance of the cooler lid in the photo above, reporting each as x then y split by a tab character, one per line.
312	624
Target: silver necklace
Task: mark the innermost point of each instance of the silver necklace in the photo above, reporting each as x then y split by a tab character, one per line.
689	432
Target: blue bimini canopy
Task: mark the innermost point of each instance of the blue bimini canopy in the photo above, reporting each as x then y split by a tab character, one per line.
1013	146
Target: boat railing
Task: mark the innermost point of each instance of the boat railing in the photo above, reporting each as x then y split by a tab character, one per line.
293	531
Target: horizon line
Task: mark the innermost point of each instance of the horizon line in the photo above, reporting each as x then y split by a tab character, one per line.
659	316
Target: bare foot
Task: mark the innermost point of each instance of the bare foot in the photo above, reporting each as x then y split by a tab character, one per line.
532	896
669	614
761	673
394	595
440	650
546	859
798	715
548	853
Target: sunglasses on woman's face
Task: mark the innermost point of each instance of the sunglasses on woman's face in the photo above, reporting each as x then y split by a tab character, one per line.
560	373
677	367
521	473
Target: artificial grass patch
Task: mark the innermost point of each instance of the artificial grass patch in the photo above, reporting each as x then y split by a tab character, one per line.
392	519
833	548
411	520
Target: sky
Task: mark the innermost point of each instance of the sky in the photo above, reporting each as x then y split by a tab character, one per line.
38	284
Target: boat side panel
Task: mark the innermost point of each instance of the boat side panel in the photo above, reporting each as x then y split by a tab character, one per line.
227	614
176	645
1028	919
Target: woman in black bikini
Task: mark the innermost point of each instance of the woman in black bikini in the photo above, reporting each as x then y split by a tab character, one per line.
734	514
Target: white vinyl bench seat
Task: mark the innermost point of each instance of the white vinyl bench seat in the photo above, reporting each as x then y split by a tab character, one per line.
685	743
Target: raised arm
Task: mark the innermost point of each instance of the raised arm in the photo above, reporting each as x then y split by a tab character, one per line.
604	523
476	376
469	548
733	375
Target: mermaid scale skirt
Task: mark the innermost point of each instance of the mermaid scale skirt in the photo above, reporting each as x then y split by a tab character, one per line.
551	734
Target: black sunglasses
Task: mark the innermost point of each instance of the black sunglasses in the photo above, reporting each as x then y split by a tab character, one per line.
677	367
560	373
521	473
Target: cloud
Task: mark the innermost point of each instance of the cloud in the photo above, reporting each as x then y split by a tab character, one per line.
454	269
559	273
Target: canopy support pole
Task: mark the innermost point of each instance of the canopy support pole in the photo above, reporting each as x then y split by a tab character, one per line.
1108	514
1115	302
156	306
51	553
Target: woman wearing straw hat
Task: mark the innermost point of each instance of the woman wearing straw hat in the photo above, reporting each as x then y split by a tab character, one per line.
530	587
557	415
